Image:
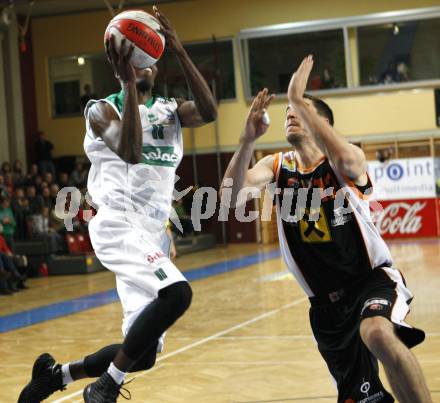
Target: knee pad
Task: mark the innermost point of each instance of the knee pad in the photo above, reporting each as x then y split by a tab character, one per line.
179	295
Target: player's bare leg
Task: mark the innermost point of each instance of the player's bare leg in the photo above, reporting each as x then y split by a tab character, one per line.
401	366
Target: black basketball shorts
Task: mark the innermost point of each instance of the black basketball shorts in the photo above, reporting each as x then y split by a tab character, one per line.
336	325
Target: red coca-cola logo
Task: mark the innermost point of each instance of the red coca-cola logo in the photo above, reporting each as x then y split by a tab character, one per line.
406	218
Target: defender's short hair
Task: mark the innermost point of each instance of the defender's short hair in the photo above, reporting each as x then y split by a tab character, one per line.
322	108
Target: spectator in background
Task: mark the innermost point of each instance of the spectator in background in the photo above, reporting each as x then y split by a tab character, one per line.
43	228
384	154
327	80
48	178
17	173
20	208
47	199
9	183
63	180
8	221
15	265
6	168
35	201
79	176
87	96
32	174
3	190
54	189
43	150
402	72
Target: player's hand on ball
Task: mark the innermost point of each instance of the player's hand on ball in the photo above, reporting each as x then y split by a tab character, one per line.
298	82
168	31
257	121
120	61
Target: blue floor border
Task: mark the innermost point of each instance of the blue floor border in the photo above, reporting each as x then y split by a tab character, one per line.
48	312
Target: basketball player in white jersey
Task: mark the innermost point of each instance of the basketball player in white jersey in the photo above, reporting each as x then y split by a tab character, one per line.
358	299
134	142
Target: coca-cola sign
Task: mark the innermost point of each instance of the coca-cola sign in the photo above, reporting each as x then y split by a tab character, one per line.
406	218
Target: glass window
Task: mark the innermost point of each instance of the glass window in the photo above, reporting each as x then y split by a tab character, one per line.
213	59
75	80
399	52
273	59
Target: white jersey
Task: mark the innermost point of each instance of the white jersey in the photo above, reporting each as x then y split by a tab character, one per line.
142	190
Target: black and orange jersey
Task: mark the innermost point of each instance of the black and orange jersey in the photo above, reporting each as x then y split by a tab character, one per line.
326	234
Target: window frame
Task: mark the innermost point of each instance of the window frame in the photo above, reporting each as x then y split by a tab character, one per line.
345	24
231	39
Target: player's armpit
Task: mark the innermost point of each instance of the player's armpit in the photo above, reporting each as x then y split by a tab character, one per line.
353	164
189	115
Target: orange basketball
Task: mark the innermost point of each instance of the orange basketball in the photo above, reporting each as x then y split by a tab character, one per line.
143	31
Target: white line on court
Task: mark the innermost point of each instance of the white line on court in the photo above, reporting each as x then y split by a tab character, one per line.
204	340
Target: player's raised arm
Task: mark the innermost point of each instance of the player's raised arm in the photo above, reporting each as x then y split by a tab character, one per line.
123	137
238	168
204	107
347	158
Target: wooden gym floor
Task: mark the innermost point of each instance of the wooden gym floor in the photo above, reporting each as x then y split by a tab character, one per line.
245	339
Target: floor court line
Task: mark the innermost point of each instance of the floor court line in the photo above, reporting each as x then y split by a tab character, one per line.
63	308
206	340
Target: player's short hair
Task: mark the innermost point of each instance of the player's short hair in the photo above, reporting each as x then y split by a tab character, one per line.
322	108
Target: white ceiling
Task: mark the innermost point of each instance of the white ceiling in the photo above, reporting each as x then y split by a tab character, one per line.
43	8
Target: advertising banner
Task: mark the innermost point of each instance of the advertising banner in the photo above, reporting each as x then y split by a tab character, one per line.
403	179
407	218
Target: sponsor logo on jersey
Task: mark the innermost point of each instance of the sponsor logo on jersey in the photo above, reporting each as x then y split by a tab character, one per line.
376	304
289	164
312	229
151	258
376	398
340	217
160	155
160	274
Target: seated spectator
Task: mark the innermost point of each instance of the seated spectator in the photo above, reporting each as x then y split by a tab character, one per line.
15	265
47	199
6	168
32	175
20	208
35	201
43	228
3	190
79	176
63	180
9	183
48	178
54	189
38	182
8	221
17	173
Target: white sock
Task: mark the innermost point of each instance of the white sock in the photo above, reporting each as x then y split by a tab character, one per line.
67	378
117	375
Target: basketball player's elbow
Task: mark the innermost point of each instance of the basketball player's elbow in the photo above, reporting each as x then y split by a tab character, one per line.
350	163
209	115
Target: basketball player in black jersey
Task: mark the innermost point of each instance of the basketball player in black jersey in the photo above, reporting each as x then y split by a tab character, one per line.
358	299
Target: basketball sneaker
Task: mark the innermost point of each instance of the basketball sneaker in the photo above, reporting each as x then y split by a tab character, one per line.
104	390
46	379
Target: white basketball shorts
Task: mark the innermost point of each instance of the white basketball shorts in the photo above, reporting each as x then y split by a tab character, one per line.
138	257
